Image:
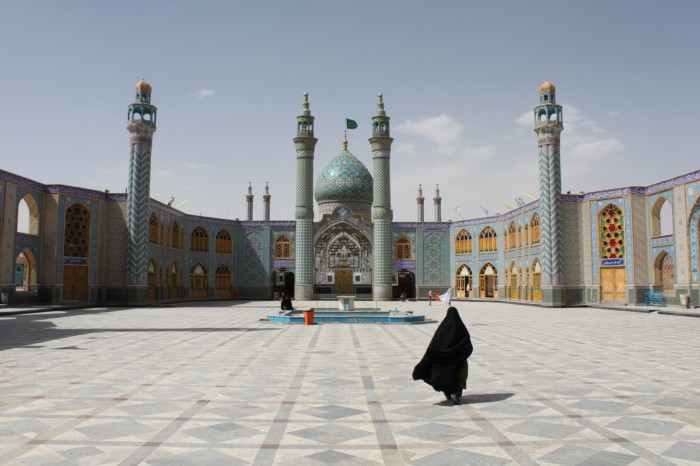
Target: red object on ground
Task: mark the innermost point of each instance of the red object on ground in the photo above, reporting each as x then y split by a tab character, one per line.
236	294
437	296
309	317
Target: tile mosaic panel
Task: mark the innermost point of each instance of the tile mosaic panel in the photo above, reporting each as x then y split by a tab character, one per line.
681	240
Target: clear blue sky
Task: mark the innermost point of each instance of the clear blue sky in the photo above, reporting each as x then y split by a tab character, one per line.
459	79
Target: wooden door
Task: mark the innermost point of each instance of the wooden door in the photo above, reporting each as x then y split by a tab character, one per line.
461	286
75	283
613	284
343	282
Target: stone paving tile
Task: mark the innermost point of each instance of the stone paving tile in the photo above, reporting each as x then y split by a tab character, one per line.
212	384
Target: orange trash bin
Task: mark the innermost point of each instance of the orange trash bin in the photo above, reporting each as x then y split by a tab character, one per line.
309	317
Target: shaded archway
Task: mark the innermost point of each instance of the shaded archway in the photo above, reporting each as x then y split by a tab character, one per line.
463	282
406	284
664	272
199	281
28	215
152	280
488	281
174	281
536	281
223	282
25	272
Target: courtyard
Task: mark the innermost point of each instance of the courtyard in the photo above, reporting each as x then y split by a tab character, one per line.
212	383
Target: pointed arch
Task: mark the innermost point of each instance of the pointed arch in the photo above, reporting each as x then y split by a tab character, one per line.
28	215
536	280
664	272
661	218
176	237
404	249
463	281
224	243
153	279
283	248
25	271
174	281
199	281
223	282
199	240
153	229
611	231
518	243
488	240
512	236
488	281
512	281
463	242
535	230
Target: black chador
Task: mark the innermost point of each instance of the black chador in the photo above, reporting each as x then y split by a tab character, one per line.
446	356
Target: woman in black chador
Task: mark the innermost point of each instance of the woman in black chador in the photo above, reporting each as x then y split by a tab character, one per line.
444	365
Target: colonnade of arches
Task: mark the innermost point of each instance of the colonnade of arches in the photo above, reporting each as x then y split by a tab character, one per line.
167	282
524	285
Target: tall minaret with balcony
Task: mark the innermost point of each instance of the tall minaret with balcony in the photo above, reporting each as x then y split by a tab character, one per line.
548	126
249	203
420	201
437	200
305	143
266	203
382	214
141	126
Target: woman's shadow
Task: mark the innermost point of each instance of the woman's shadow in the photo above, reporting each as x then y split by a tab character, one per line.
480	398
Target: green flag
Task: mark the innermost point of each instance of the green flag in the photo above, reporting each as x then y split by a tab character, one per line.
350	124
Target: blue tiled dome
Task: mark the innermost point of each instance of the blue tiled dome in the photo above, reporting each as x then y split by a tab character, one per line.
345	179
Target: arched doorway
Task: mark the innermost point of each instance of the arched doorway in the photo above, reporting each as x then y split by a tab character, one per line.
343	260
611	231
25	272
536	281
463	283
174	282
152	280
407	284
488	281
199	281
223	282
513	281
76	252
664	272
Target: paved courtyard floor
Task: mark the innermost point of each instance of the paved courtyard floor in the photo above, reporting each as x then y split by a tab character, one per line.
212	384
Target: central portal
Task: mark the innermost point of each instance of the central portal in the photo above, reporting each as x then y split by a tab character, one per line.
343	281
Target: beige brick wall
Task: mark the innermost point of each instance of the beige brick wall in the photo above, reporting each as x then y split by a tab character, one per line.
681	231
49	239
9	227
641	246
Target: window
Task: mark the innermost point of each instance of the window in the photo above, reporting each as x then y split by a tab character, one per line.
199	281
199	240
223	282
512	236
661	218
611	228
224	244
664	272
153	229
283	248
175	237
463	243
28	216
403	249
535	230
488	241
77	231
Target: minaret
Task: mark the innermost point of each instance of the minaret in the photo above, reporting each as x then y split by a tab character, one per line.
305	143
420	200
548	126
266	203
437	200
382	215
249	203
141	126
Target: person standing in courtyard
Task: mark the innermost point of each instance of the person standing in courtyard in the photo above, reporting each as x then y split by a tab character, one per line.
430	298
444	365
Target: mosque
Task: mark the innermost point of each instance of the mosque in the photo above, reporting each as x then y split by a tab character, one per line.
87	246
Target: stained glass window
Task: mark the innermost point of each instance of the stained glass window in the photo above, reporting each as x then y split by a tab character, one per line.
199	240
77	231
612	233
283	248
463	243
488	241
224	244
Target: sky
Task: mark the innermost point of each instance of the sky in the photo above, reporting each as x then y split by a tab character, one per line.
459	79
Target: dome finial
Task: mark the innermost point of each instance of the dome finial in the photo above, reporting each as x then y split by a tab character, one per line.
380	105
345	144
305	106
